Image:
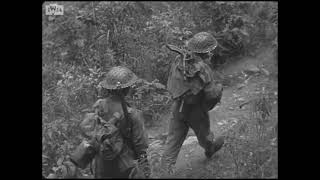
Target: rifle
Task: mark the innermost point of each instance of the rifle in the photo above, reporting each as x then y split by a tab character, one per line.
186	55
127	124
176	49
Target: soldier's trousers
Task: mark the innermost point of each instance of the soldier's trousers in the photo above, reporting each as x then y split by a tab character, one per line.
193	116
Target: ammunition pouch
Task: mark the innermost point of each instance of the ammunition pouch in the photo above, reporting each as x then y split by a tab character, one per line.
110	139
190	98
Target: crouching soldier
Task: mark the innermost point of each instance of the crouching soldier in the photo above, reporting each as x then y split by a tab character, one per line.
116	142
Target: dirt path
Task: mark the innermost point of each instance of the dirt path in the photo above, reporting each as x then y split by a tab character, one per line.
191	161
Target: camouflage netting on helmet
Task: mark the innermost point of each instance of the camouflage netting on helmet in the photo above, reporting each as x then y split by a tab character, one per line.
119	77
202	42
177	86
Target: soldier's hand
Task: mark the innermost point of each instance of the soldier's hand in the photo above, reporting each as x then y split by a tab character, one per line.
117	115
214	89
52	176
70	170
89	121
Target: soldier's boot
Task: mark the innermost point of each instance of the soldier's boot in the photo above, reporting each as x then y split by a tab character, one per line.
216	146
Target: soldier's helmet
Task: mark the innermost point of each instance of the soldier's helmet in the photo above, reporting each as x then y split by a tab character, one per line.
118	77
202	42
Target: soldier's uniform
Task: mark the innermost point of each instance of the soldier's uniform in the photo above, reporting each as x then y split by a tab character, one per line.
193	98
133	147
115	147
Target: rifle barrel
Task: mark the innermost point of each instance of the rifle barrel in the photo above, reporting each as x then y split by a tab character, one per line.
174	49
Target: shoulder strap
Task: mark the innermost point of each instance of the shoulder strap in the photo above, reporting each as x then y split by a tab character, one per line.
127	123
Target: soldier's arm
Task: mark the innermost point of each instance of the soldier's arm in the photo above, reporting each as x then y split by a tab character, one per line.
140	138
82	156
85	153
213	94
88	124
140	143
91	117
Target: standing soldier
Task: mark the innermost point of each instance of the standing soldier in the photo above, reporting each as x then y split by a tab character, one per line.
115	133
194	91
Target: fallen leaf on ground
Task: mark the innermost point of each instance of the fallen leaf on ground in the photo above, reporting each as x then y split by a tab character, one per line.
236	95
251	68
231	108
220	123
265	71
274	142
240	86
151	137
234	119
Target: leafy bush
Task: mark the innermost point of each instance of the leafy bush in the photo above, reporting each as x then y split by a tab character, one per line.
76	91
105	34
152	98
